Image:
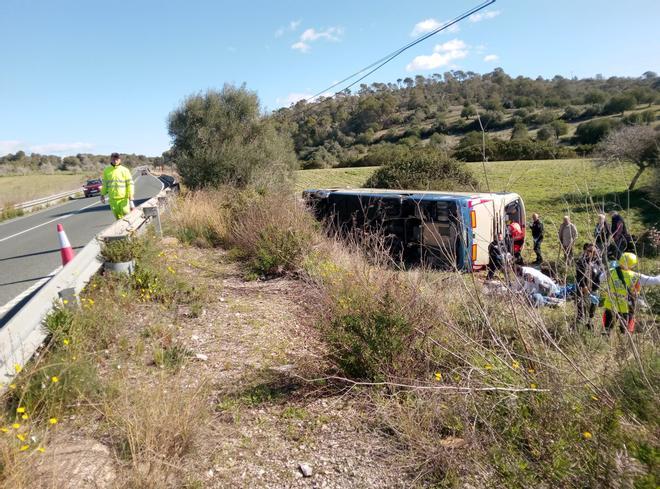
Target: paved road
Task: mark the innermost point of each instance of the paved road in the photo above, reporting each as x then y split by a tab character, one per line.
29	247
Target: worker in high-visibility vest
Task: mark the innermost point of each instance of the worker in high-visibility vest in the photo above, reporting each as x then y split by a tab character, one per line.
621	291
118	187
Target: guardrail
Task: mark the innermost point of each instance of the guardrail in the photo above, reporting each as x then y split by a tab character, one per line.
26	206
21	337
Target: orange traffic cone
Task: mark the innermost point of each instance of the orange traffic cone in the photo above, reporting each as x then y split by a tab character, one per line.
65	247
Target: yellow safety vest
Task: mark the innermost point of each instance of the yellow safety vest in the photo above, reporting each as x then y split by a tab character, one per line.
616	292
117	183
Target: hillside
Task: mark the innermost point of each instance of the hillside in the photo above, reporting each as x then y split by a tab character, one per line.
442	109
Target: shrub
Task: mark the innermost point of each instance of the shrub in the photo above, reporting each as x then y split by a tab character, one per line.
422	169
593	131
273	232
119	250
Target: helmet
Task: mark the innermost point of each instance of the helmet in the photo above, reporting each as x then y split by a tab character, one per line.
628	261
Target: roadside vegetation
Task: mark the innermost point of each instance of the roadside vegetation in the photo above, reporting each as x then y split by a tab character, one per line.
18	189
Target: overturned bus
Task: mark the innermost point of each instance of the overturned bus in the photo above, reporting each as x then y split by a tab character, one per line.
449	230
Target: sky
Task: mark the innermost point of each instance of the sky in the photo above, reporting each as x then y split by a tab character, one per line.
92	76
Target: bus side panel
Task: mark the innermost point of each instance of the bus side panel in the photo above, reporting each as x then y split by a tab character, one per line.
483	232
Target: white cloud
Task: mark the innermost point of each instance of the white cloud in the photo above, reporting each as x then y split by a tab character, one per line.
443	54
488	14
7	147
489	58
429	25
293	25
61	148
301	46
312	35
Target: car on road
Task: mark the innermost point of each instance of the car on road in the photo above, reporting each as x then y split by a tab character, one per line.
92	187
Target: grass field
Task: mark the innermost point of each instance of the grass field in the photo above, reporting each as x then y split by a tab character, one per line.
17	189
553	189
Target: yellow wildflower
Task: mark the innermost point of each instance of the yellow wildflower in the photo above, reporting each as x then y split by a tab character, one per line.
18	368
533	386
52	420
488	366
515	365
16	426
586	435
54	379
65	302
531	370
91	302
12	386
438	376
4	430
41	449
594	398
25	416
24	447
20	437
20	410
65	341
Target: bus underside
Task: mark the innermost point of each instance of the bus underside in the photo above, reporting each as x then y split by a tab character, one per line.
412	229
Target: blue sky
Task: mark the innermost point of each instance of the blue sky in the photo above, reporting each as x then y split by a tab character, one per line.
102	76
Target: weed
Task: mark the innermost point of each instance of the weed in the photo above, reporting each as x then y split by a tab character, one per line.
171	357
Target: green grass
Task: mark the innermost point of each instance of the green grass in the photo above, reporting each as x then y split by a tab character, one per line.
17	189
553	188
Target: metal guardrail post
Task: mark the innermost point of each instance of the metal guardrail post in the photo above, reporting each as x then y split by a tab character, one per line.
153	212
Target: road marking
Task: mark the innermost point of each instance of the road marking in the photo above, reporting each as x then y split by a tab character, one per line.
9	305
60	218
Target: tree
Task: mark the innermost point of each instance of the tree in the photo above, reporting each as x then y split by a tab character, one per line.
468	111
220	138
559	128
595	97
519	131
619	104
544	134
634	144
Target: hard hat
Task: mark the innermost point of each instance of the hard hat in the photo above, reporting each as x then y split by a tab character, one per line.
628	261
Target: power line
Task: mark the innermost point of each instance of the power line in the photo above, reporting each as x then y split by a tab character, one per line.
376	65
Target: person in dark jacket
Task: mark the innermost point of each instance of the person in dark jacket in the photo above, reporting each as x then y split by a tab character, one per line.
497	254
602	234
620	237
537	236
588	269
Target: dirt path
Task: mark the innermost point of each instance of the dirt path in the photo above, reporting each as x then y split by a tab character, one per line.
255	339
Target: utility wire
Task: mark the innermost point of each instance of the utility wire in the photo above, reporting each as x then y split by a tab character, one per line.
376	65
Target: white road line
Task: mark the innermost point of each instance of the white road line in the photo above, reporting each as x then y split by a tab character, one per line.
9	305
60	218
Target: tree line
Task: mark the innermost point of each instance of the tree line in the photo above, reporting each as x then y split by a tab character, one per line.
20	163
344	129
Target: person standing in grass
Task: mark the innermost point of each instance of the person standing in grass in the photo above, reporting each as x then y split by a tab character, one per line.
620	236
602	234
622	288
537	236
588	269
497	256
568	234
118	187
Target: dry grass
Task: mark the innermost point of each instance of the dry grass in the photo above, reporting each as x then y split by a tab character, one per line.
17	189
153	428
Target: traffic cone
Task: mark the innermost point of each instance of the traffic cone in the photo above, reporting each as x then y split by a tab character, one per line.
65	247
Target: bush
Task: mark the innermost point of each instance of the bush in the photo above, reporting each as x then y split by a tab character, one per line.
593	131
273	233
422	169
119	250
200	219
